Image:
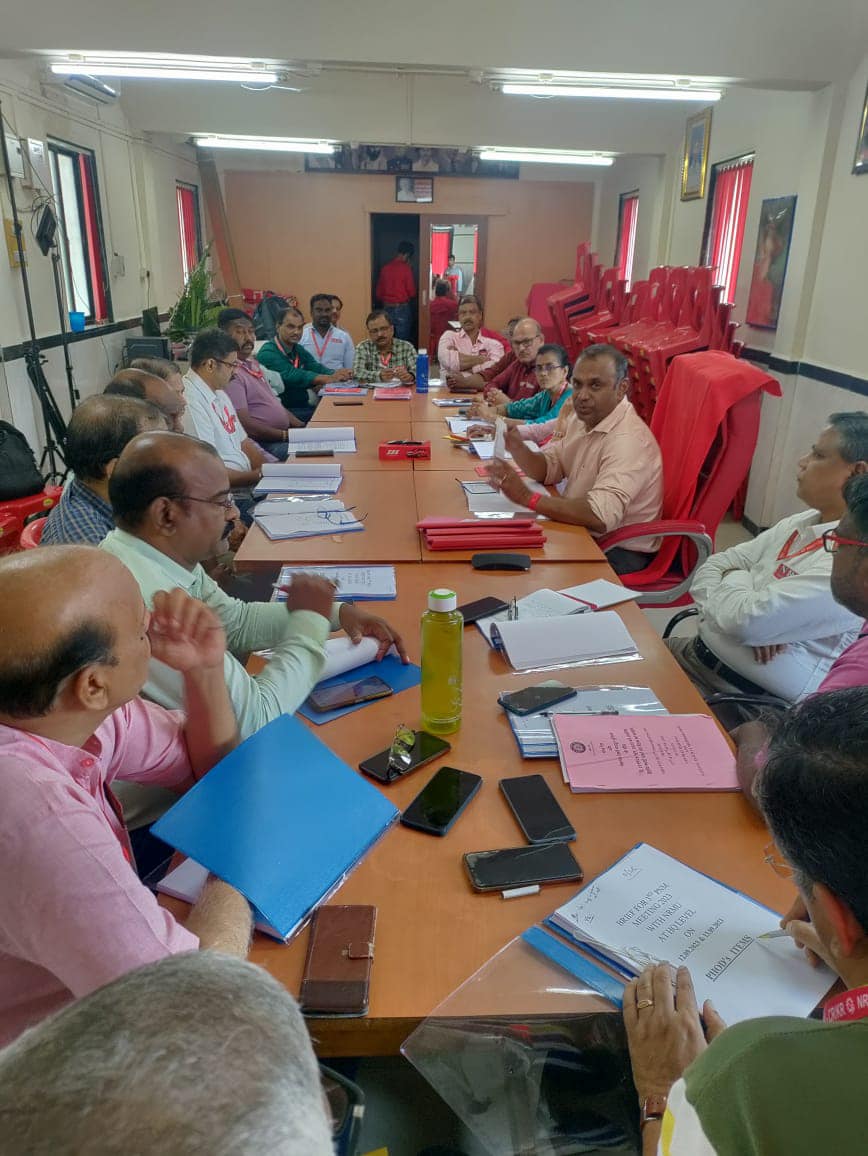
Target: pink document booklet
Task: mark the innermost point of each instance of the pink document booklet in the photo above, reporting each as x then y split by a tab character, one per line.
678	752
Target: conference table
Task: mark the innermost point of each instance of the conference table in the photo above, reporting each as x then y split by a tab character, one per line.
433	930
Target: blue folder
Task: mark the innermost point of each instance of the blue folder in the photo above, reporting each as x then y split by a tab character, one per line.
282	819
390	669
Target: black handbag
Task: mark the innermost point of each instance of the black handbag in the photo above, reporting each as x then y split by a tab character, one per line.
19	473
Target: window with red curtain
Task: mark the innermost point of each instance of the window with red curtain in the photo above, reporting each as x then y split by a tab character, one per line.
725	220
628	215
188	227
80	238
441	243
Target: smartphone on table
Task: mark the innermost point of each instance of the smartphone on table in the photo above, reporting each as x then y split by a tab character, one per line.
481	608
425	749
536	810
441	801
326	698
531	699
521	866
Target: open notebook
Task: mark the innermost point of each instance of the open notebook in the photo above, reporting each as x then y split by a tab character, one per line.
305	519
341	439
294	477
574	640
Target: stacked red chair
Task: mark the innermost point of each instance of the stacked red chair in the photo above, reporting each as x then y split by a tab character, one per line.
706	422
608	312
14	513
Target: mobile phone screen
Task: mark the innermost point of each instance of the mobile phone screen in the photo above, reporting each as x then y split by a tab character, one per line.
439	803
537	810
348	693
518	866
426	748
534	698
481	608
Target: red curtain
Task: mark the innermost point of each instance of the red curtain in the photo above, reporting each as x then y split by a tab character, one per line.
729	213
441	239
627	236
94	249
187	224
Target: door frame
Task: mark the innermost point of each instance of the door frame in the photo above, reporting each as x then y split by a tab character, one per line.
426	220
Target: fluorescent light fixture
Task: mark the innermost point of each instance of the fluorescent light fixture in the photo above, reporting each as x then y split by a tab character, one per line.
545	156
272	144
612	92
167	66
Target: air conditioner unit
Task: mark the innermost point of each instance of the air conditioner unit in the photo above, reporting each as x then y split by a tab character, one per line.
92	87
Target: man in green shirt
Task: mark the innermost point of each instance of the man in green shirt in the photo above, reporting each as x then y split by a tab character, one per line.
301	374
777	1086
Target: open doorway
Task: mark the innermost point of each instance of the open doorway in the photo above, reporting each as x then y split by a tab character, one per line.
453	249
388	230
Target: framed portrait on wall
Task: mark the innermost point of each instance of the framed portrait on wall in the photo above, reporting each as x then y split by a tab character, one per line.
770	262
414	190
860	161
694	166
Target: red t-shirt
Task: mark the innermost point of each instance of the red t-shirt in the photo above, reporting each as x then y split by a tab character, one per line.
395	284
516	380
442	311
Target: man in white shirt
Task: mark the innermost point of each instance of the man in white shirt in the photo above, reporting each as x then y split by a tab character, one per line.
453	270
768	622
212	418
324	341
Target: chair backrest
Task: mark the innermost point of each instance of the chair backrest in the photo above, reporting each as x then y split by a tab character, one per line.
32	534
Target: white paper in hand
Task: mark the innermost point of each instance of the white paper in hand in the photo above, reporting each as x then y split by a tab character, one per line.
500	439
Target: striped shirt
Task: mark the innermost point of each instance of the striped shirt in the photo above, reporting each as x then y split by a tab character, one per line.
81	516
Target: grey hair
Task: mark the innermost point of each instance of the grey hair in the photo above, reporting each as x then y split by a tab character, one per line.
852	431
196	1054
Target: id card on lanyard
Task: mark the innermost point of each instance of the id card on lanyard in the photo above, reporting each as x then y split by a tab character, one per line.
282	349
784	571
850	1005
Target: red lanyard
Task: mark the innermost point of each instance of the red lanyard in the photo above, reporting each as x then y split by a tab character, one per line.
320	352
785	555
851	1005
226	419
247	366
294	360
384	361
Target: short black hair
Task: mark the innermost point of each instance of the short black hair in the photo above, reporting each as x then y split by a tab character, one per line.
477	301
99	429
852	431
558	351
375	313
211	343
406	248
321	297
281	314
133	487
813	792
442	288
29	682
622	367
856	499
226	316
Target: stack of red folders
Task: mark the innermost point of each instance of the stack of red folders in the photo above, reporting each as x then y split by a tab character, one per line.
478	534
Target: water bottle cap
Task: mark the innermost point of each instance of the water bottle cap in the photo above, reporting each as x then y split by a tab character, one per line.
442	600
423	353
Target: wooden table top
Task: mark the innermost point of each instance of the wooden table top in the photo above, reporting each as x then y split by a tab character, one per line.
331	411
433	930
390	534
438	493
445	455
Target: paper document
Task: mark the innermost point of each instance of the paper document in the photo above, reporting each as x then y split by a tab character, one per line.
650	907
600	593
460	425
186	882
362	583
306	520
681	752
302	469
534	733
540	604
294	477
573	640
340	438
451	402
495	502
343	655
499	439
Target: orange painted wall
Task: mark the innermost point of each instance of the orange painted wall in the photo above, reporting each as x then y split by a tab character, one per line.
310	232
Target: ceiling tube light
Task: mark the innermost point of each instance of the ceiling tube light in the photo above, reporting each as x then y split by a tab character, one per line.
157	66
613	92
274	144
542	157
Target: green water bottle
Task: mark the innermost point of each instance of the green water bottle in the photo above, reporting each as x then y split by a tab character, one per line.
442	639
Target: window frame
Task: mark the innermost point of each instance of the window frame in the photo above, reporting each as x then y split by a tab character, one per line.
186	266
92	232
623	198
707	237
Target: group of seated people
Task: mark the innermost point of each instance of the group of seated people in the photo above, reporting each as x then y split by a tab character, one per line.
130	685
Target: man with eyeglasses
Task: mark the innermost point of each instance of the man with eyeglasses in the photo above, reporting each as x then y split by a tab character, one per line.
779	1086
302	375
768	621
511	378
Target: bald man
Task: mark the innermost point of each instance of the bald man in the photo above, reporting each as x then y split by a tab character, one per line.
73	915
173	508
150	387
514	376
98	430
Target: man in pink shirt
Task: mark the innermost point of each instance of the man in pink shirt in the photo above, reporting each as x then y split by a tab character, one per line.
73	914
467	348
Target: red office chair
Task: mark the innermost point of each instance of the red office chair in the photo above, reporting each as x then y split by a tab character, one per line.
706	422
10	533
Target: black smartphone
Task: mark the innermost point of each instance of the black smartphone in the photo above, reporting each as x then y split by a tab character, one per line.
441	801
327	698
533	698
521	866
481	608
425	749
536	810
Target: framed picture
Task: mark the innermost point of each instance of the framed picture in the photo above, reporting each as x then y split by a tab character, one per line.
860	161
401	159
770	262
694	167
414	190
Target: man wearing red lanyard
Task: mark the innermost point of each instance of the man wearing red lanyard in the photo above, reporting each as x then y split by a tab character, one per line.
778	1086
382	356
302	375
768	621
321	337
264	419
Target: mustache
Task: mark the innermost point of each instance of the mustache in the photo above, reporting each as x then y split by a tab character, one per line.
227	530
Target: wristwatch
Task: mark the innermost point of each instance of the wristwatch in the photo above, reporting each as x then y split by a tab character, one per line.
653	1108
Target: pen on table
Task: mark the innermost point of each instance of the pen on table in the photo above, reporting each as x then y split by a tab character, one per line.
518	892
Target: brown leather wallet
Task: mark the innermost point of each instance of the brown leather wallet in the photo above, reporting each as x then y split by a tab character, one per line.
340	953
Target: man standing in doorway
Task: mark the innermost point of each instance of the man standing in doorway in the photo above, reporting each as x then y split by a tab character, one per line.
396	288
453	270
